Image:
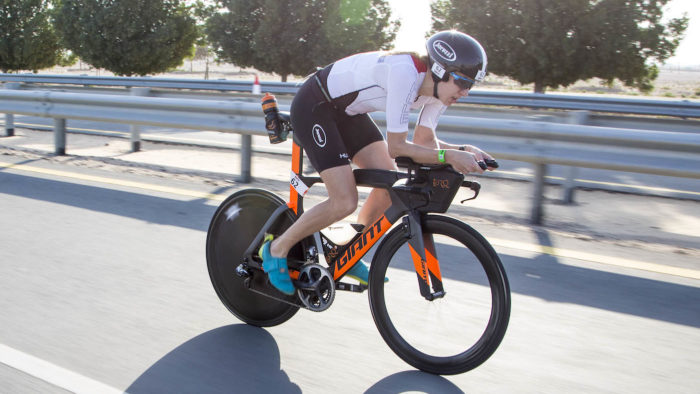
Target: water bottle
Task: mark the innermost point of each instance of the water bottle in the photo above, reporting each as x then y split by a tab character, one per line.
272	121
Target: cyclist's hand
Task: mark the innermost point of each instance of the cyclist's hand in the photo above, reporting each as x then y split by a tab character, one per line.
463	161
481	156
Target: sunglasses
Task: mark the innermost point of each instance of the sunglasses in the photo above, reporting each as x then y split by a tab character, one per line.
463	82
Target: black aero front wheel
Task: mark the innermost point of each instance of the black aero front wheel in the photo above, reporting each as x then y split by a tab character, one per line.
234	226
448	335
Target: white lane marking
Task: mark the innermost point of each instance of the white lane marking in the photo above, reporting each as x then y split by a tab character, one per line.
52	373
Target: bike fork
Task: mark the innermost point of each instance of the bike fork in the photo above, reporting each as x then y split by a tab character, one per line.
424	258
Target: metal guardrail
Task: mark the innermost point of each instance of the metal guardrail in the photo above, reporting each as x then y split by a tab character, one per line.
638	106
537	142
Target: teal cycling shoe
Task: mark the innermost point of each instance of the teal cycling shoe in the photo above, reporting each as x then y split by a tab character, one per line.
360	273
276	268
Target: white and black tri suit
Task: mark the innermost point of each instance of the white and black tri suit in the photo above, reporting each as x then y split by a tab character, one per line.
329	112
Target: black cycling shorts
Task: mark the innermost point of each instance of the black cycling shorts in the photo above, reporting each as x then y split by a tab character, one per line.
330	137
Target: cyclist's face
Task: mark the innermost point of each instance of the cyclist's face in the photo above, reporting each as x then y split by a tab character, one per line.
449	92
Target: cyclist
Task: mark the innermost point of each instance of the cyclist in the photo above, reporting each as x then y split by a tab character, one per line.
330	118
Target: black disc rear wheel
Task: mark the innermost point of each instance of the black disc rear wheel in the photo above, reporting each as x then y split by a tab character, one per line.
234	226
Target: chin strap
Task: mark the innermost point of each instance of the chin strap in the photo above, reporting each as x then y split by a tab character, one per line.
436	81
437	72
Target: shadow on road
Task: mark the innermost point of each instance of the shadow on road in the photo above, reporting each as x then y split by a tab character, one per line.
231	359
413	381
244	359
193	214
544	276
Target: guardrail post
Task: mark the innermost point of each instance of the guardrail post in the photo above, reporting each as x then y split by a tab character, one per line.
246	157
537	210
579	118
538	193
136	129
59	136
10	118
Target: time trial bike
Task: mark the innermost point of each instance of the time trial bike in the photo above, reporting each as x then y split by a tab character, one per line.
449	322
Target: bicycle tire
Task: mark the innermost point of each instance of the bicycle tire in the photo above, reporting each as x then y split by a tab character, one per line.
479	259
233	227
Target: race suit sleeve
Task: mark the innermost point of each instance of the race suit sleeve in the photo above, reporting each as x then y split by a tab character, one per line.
402	87
430	114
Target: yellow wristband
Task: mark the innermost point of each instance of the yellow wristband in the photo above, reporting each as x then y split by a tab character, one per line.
441	155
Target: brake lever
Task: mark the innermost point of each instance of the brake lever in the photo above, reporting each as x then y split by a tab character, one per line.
488	163
473	186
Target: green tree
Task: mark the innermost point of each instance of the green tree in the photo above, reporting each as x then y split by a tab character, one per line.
354	26
127	37
27	38
292	37
555	43
202	11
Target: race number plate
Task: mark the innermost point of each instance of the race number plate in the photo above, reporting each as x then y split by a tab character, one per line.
298	185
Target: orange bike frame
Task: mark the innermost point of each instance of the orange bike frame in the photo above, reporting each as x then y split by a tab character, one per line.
425	262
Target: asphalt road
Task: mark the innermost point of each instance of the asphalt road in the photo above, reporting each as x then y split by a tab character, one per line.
103	285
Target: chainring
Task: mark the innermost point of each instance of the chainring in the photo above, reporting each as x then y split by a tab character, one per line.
315	287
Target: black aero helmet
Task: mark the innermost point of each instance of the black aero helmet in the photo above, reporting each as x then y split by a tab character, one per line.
452	51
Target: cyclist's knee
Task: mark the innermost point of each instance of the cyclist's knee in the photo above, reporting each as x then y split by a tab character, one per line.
344	206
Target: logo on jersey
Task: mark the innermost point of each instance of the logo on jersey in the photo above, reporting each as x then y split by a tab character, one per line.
319	135
444	50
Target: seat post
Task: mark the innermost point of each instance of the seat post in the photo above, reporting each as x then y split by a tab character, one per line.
297	166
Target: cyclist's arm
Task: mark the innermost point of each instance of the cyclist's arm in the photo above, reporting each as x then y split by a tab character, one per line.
461	161
480	154
426	137
425	131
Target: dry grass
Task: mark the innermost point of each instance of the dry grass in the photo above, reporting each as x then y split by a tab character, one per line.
670	83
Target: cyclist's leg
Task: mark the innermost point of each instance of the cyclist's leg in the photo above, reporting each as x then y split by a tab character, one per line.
316	130
368	149
341	202
375	156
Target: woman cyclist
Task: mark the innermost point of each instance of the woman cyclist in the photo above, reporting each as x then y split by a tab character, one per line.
330	121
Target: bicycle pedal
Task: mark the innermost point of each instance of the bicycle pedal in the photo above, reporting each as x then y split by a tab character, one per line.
350	287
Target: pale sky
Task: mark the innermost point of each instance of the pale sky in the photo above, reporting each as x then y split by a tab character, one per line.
415	22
